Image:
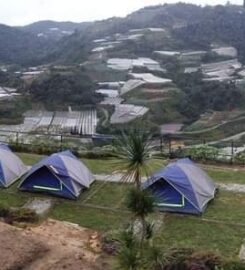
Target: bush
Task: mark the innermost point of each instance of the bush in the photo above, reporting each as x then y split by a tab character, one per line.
110	245
176	258
4	212
12	215
203	261
204	152
240	158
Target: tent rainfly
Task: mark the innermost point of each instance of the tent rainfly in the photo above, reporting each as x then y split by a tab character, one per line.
181	187
60	174
11	167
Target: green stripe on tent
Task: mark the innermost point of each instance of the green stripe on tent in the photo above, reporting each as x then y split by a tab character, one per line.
182	204
48	188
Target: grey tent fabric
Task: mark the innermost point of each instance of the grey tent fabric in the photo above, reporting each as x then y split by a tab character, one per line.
60	174
182	187
11	167
202	184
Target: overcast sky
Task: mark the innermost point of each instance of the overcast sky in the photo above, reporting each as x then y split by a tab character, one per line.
21	12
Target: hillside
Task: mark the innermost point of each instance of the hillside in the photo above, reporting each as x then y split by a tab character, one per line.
220	24
54	30
189	27
164	64
74	47
18	47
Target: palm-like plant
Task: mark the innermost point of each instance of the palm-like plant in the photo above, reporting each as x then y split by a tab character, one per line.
141	203
128	259
154	258
128	255
133	152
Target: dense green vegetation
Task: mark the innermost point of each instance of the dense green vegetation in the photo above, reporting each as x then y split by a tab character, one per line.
18	47
64	88
44	27
198	97
8	79
12	112
216	24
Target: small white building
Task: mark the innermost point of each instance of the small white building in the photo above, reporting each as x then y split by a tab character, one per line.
108	92
125	113
149	78
226	51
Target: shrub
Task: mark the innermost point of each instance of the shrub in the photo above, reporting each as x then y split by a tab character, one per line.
21	215
204	152
205	261
110	245
176	258
4	212
240	158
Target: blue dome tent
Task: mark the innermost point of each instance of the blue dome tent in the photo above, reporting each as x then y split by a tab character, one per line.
60	174
181	187
11	167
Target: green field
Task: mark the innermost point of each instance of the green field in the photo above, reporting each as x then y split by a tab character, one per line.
220	229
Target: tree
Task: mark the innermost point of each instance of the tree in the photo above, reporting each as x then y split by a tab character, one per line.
133	151
141	203
128	255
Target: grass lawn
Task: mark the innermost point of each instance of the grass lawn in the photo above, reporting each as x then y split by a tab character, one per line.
220	229
194	233
29	159
227	176
102	208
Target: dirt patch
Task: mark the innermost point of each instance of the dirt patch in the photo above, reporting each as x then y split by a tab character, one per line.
51	246
17	249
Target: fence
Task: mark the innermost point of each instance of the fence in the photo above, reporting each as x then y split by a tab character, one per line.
45	142
201	149
102	145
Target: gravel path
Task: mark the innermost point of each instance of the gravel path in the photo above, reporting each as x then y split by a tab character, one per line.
232	187
116	177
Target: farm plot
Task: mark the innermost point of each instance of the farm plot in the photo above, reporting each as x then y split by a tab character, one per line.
226	51
75	122
10	132
131	85
58	122
149	78
125	113
127	64
7	93
44	122
112	101
88	122
221	70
